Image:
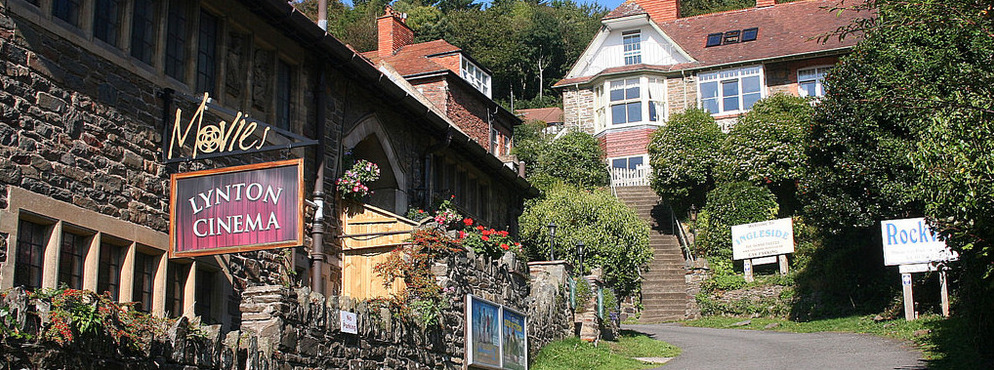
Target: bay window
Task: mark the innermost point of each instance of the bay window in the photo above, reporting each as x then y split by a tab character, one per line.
730	91
631	100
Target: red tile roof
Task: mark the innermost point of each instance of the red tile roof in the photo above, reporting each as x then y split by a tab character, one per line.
784	30
547	115
414	59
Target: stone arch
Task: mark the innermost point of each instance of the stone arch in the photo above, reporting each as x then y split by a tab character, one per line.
369	140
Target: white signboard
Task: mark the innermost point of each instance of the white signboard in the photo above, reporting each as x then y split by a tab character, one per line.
910	241
349	322
761	239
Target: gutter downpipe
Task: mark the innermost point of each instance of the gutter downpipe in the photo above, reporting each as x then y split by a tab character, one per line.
317	229
323	14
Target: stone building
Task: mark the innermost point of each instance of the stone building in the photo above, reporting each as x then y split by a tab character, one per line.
87	92
450	79
647	63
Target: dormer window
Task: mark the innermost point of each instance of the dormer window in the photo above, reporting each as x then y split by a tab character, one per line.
476	76
633	47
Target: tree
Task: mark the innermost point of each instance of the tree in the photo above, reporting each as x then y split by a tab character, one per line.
529	143
683	155
614	236
730	204
766	147
575	158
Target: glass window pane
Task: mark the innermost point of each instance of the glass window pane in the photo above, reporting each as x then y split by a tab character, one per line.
632	92
634	162
618	114
652	112
710	105
619	163
807	88
634	112
617	95
731	103
709	90
729	88
750	84
749	99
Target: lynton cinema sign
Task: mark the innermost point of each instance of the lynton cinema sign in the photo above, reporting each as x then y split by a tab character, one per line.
236	209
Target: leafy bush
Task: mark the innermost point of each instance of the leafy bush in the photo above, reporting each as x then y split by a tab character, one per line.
487	241
683	155
727	205
575	158
766	147
529	143
584	293
615	237
423	298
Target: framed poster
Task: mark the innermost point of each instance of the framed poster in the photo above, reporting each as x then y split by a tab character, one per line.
482	333
236	209
514	340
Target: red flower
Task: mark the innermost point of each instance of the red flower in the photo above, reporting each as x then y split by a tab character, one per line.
504	246
468	221
486	232
480	227
502	233
485	238
516	244
462	234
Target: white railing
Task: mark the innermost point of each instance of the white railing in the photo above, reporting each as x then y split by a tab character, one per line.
639	176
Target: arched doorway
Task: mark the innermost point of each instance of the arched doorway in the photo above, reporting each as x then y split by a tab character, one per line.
369	141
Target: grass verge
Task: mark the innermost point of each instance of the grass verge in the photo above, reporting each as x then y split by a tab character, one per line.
572	353
944	342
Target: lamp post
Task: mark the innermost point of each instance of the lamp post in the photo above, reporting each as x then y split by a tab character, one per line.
552	241
579	256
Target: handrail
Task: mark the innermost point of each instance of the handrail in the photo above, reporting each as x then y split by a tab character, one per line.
682	238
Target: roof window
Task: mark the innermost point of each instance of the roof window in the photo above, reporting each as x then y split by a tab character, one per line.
731	37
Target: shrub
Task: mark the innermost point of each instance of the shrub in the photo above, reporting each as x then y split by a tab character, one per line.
727	205
423	298
683	155
575	158
615	237
487	241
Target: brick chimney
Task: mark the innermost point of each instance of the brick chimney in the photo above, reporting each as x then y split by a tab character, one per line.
662	10
765	3
392	32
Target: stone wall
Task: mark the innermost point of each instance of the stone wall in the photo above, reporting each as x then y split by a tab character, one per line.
286	328
578	109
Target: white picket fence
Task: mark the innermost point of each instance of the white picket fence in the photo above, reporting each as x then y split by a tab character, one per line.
639	176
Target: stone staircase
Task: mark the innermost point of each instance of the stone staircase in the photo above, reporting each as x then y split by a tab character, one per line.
664	286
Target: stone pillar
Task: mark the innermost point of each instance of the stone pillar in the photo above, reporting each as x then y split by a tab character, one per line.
548	309
587	321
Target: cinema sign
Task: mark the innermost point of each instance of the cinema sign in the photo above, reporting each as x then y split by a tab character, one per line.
236	209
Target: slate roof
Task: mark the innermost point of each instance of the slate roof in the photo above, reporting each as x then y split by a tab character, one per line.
414	59
626	9
785	30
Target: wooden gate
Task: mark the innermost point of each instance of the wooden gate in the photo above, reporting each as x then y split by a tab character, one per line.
371	234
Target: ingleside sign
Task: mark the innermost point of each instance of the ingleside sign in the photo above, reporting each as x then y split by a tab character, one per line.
236	209
761	239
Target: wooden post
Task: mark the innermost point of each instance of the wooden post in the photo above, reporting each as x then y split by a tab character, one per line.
909	300
945	292
747	269
782	260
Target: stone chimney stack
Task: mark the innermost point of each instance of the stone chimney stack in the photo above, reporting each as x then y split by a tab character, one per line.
765	3
392	32
661	10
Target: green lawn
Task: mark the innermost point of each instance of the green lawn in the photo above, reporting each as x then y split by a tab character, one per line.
572	353
942	340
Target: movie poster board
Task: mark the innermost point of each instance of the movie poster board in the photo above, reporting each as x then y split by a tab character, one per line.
236	209
496	336
514	340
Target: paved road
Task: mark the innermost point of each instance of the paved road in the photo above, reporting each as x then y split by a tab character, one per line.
706	348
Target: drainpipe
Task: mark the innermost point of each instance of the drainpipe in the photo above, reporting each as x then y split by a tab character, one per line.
317	229
323	14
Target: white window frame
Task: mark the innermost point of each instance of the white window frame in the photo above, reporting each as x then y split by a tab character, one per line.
817	77
631	42
731	77
644	157
651	99
475	76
